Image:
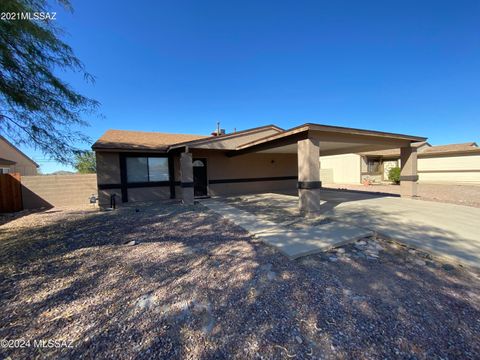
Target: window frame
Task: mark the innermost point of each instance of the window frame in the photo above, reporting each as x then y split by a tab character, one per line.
148	182
373	160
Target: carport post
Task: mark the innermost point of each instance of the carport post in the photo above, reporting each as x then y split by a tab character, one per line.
408	173
308	153
186	177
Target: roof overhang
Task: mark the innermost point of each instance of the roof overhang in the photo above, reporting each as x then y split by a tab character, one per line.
334	140
6	162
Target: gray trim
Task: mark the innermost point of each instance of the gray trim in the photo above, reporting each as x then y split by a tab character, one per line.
309	185
409	178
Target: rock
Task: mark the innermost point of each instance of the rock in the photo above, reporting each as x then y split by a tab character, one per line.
340	251
266	267
361	243
333	258
448	267
412	251
131	243
145	302
271	275
299	339
420	262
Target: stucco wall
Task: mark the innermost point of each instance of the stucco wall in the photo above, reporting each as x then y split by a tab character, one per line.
451	169
249	166
346	167
23	165
58	190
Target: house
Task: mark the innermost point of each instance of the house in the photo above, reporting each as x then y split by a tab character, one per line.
148	166
12	160
452	163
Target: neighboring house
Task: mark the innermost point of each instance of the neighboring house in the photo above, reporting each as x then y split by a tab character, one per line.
453	163
12	160
145	166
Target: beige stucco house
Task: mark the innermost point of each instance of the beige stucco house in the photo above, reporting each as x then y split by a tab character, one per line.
146	166
452	163
12	160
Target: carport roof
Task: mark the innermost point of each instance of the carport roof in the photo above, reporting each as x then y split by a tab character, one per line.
333	129
333	139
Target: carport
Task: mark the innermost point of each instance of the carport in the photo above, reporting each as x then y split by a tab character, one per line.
308	141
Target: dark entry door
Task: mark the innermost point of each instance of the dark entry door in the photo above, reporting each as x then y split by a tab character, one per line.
200	177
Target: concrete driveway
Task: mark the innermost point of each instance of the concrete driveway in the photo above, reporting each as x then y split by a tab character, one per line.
446	230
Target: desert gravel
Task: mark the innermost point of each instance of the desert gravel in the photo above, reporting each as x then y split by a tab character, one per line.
191	285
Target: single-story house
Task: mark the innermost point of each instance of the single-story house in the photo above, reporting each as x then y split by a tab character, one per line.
13	160
452	163
146	166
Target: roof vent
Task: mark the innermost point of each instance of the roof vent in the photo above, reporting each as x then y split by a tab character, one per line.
219	131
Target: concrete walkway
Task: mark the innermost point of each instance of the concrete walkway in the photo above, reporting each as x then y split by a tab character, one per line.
446	230
291	242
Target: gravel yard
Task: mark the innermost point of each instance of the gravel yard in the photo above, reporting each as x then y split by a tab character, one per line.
195	286
455	194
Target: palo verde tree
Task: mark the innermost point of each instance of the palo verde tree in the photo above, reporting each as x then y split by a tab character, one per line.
36	106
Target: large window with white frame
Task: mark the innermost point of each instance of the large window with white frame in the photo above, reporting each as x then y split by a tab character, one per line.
4	170
147	169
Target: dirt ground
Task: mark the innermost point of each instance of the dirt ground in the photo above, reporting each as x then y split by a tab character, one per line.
194	286
455	194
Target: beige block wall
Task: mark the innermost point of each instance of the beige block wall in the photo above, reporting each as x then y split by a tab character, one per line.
449	169
23	165
346	168
58	190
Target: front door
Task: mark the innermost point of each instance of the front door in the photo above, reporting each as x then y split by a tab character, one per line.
200	177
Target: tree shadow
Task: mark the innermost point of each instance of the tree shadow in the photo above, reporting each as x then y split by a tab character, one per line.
197	286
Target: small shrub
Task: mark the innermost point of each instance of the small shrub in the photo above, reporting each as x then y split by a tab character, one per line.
394	175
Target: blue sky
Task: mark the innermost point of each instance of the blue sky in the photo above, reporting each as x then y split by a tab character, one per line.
180	66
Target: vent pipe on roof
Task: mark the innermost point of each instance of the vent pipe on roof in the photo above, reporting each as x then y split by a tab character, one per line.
219	131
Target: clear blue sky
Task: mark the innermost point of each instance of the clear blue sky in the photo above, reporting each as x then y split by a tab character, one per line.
180	66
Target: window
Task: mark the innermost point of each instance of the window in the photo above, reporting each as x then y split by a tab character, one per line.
373	166
147	169
4	170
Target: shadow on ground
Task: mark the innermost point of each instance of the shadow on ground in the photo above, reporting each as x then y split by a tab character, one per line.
197	286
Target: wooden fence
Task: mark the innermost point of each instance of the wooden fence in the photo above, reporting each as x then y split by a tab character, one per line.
10	193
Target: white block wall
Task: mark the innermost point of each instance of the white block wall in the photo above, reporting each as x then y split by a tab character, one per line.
450	169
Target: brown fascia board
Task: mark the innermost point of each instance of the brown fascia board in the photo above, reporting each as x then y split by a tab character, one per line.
19	151
130	149
222	137
328	128
356	131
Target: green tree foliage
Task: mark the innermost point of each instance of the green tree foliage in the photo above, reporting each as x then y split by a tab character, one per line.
36	106
85	162
394	174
